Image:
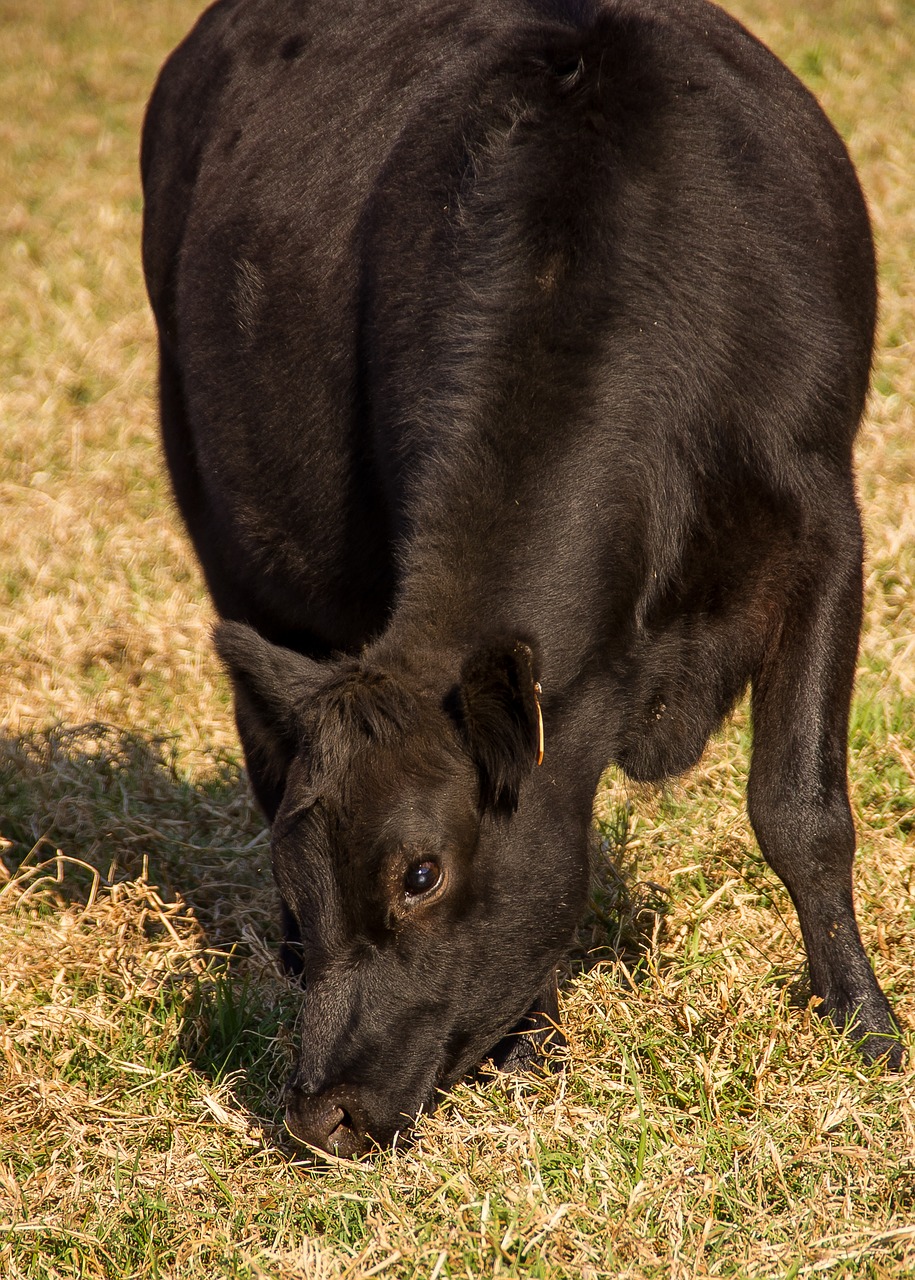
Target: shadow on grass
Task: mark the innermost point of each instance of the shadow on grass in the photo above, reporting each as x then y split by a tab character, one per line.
118	802
84	809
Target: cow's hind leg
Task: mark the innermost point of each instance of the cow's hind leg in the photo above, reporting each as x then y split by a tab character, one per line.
798	791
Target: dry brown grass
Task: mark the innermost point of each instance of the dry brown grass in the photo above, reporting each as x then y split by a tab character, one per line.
708	1124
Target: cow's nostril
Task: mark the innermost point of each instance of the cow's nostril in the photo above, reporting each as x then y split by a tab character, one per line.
323	1122
344	1130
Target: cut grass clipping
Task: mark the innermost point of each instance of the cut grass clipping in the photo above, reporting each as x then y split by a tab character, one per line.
707	1122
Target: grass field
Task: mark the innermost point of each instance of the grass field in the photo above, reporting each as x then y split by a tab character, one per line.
706	1124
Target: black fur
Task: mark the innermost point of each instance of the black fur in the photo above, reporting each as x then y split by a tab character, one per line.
506	338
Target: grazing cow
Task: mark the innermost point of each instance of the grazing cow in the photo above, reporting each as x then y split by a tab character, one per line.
507	343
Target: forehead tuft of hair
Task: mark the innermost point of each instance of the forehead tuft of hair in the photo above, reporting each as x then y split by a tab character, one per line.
359	707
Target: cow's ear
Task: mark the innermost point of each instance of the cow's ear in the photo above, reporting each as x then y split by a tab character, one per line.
499	719
271	685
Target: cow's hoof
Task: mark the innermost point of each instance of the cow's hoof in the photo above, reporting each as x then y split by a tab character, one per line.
530	1046
870	1023
874	1048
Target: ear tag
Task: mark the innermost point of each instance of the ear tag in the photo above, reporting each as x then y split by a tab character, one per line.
537	692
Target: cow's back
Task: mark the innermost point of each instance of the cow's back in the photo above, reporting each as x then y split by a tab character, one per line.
562	292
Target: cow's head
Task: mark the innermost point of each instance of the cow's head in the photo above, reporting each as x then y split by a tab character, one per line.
427	910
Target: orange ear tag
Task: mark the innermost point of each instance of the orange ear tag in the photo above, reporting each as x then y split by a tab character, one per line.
537	692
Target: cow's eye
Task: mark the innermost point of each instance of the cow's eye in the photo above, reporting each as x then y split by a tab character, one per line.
422	877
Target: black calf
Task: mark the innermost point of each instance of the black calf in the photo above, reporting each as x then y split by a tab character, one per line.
507	344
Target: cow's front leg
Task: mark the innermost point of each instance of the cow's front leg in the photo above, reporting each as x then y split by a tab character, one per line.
530	1042
798	793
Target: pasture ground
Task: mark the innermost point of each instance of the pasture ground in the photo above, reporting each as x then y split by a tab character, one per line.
707	1123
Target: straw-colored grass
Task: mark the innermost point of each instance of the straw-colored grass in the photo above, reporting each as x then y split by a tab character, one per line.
707	1123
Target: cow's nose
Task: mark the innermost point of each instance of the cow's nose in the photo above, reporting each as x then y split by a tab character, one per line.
325	1121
